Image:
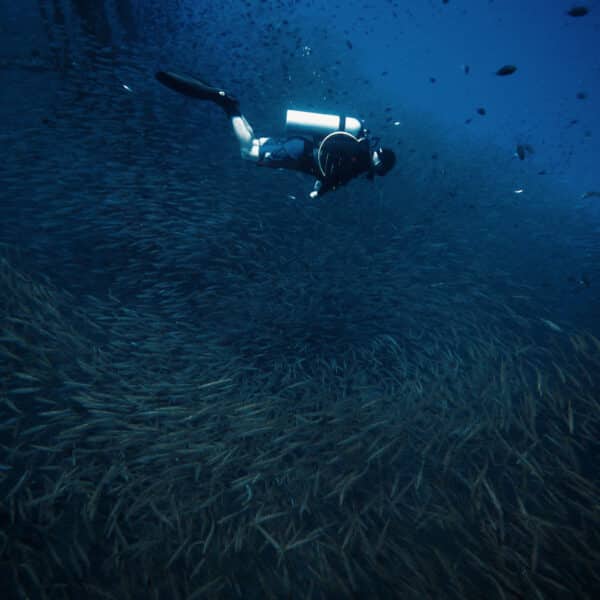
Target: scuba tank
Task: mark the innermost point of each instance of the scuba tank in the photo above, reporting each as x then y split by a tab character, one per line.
319	125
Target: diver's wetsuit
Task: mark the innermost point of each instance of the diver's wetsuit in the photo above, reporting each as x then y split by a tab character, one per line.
295	153
301	154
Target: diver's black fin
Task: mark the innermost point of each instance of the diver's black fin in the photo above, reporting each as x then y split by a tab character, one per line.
188	86
195	88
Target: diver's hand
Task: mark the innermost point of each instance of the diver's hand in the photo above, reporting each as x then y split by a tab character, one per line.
316	189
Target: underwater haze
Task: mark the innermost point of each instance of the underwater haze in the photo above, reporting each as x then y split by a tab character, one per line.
213	385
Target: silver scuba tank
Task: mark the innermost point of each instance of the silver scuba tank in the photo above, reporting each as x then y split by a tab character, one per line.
318	125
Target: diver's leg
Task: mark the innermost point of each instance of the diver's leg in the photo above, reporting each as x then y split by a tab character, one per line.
249	145
196	88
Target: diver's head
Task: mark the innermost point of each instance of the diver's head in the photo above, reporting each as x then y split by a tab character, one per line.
383	160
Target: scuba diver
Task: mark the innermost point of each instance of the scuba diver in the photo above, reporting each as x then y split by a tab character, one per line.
332	148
